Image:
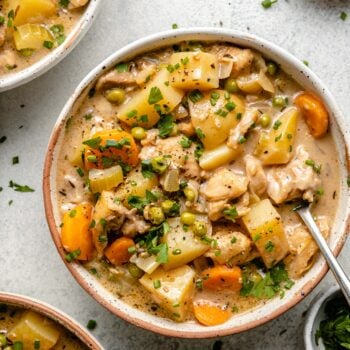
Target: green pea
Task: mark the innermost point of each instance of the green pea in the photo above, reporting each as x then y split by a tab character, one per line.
138	133
279	102
189	194
272	68
187	218
116	96
3	340
134	270
231	85
159	164
167	205
265	120
156	215
199	228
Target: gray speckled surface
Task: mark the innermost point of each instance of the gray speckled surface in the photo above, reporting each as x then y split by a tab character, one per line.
29	262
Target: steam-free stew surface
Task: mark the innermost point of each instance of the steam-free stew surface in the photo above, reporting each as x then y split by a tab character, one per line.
177	177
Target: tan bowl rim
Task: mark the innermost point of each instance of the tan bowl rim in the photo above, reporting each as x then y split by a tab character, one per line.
180	34
12	80
56	315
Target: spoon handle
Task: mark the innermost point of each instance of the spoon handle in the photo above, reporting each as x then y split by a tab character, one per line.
332	262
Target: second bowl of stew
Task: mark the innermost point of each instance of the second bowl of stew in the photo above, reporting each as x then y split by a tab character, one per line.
172	174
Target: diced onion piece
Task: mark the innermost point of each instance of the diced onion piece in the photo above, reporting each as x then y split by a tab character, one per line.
265	82
105	179
171	180
148	264
31	36
32	327
225	67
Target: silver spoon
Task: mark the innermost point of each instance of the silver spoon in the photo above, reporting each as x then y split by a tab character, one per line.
304	211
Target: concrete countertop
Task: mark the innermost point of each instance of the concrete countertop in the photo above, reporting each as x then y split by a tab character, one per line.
29	263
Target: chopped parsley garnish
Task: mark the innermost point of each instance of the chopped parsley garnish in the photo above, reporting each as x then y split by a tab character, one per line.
274	282
230	106
184	61
156	284
88	116
140	202
63	3
343	16
155	95
122	67
94	142
80	172
131	114
242	140
221	113
231	213
15	160
200	133
269	246
20	188
195	96
91	325
73	255
316	167
214	97
174	26
147	169
306	63
198	152
36	344
277	124
277	138
48	44
165	126
185	142
256	237
72	213
233	240
3	139
199	284
348	180
239	116
117	144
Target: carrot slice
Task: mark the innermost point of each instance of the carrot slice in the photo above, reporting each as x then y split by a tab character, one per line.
210	314
110	147
118	252
75	232
222	277
314	113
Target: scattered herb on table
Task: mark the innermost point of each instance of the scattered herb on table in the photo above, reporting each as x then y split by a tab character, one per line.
20	188
343	16
15	160
91	325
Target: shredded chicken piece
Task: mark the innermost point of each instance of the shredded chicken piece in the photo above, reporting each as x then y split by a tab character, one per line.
75	184
8	59
224	184
151	137
242	58
293	180
256	175
234	247
134	224
303	248
186	128
181	158
250	116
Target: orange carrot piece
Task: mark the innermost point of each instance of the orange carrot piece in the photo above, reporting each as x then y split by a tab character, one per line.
117	253
222	277
314	113
101	156
210	314
75	232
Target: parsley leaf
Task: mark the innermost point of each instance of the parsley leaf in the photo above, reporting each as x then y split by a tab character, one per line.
185	142
231	213
93	143
20	188
155	95
165	126
147	169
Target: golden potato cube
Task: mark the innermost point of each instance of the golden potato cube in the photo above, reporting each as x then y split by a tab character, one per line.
265	227
194	70
32	11
171	289
33	326
158	95
276	145
31	36
183	246
218	156
214	115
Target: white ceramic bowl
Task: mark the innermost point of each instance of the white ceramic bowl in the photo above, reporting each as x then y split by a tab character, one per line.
12	80
44	309
263	313
314	317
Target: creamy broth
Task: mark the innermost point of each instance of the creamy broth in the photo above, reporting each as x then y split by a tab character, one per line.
56	25
264	180
10	316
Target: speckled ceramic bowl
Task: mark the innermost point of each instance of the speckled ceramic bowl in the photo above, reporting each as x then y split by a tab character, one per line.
263	313
315	315
12	80
52	313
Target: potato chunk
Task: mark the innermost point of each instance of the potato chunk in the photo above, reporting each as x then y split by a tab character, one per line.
194	70
142	108
215	114
265	227
31	36
171	289
276	145
183	246
32	11
33	327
